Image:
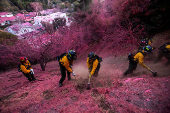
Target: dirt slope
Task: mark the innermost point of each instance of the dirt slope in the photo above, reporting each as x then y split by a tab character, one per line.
139	92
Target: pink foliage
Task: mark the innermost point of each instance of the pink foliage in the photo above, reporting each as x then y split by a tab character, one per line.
108	22
37	6
106	25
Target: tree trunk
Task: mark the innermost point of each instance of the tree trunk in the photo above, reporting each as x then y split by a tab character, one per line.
42	65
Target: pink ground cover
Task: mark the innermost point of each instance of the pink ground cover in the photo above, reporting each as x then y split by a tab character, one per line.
110	92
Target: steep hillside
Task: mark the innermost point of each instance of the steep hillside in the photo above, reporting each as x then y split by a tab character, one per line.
139	92
6	6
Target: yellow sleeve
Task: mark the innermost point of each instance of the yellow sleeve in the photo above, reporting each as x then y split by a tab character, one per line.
65	62
24	70
88	63
168	47
140	60
95	63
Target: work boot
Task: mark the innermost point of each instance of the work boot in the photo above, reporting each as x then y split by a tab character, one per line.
60	84
32	77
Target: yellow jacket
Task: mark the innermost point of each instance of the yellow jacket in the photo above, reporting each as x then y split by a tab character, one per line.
92	64
168	47
25	68
139	57
66	63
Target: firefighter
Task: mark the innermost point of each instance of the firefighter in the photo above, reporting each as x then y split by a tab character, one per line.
138	58
145	42
26	69
66	62
93	64
164	51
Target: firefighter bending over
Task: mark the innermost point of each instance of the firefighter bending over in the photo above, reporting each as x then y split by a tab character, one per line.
138	58
26	69
93	64
164	51
66	62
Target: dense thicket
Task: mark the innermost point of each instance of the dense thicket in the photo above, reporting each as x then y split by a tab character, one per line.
117	24
153	14
124	20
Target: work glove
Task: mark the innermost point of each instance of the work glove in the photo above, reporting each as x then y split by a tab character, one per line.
32	72
90	76
73	74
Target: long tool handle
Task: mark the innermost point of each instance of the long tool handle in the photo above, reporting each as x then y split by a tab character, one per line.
151	71
89	81
88	84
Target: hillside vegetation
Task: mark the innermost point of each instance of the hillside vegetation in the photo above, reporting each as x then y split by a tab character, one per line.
111	30
116	24
110	91
25	5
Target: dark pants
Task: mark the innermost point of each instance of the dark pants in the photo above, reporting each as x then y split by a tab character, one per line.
30	76
132	67
96	71
163	54
63	73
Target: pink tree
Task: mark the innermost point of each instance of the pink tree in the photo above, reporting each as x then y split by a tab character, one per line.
38	47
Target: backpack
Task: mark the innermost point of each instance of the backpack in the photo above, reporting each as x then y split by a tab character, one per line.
131	56
99	58
60	56
19	69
